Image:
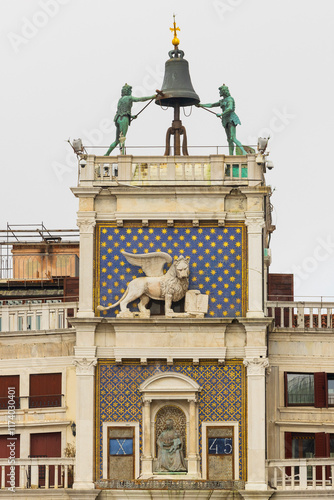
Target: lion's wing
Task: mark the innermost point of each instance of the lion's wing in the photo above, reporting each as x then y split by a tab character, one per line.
151	263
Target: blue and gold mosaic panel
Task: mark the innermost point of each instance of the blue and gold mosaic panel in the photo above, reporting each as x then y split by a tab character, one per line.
217	262
223	397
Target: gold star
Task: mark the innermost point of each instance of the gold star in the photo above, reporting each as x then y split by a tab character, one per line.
104	231
129	231
150	231
104	283
104	257
212	230
194	264
213	272
135	238
116	231
104	270
232	237
140	230
103	244
109	276
110	237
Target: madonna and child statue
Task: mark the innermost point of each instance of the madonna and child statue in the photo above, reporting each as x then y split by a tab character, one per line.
170	454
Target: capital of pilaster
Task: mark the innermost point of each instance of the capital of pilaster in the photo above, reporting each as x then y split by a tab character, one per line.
85	366
87	223
254	221
256	366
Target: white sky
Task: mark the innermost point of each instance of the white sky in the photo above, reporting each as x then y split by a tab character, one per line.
65	61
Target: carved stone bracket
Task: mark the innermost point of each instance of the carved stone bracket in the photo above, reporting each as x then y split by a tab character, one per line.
256	366
86	226
85	366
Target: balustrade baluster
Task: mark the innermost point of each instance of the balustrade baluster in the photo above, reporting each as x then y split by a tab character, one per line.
311	317
56	476
47	477
65	476
3	477
275	477
314	476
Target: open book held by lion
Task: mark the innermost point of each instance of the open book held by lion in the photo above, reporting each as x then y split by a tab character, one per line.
156	285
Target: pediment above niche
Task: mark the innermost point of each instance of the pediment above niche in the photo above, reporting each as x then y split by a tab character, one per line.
169	386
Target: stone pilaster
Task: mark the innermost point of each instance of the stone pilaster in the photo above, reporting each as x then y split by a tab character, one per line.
256	369
85	383
147	459
87	230
193	459
255	223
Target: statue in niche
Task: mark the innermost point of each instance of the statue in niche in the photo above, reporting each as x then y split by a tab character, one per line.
170	454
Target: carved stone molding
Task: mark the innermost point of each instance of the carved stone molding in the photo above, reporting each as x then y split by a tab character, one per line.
85	366
86	226
255	224
256	366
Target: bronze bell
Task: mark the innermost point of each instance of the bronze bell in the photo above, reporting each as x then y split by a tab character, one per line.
177	88
176	91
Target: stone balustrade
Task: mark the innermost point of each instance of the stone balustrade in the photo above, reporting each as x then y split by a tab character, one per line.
301	314
167	170
301	474
32	473
51	315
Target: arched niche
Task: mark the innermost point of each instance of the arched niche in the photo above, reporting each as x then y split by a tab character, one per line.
161	393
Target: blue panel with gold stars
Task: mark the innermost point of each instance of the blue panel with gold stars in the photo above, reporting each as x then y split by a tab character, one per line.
217	262
223	397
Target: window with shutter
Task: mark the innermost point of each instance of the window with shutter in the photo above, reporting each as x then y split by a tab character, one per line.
9	385
45	390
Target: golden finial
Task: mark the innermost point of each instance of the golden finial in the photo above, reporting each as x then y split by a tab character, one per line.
175	40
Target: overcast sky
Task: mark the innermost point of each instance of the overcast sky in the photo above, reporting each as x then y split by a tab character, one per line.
65	61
